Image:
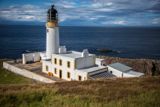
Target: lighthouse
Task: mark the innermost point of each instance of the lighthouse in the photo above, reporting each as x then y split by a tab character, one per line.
52	32
69	65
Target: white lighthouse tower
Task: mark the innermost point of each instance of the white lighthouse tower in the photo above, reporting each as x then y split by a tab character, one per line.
68	65
52	33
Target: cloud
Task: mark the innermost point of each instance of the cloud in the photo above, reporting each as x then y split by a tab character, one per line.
156	21
120	22
104	12
95	12
23	13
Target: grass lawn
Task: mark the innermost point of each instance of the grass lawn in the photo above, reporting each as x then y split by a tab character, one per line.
17	91
143	92
7	77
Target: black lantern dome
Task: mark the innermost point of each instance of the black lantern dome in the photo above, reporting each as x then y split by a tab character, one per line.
52	14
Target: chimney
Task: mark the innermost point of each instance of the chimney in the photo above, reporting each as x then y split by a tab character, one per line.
85	53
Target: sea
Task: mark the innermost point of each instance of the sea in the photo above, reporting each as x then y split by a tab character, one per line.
125	42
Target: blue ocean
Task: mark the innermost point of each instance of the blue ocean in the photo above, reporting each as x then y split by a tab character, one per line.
128	42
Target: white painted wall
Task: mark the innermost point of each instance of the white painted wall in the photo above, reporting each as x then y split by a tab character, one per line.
46	63
62	49
83	75
26	73
73	74
99	61
75	64
132	73
31	57
52	41
128	75
125	74
63	67
85	62
115	72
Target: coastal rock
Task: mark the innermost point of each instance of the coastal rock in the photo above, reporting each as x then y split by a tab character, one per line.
104	50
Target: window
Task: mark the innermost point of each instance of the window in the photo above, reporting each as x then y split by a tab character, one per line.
68	75
79	78
55	71
55	61
60	62
46	68
68	64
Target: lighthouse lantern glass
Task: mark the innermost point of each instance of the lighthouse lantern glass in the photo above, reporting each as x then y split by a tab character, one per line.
52	14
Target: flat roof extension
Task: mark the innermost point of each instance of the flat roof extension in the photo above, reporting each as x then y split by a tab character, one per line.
72	54
120	67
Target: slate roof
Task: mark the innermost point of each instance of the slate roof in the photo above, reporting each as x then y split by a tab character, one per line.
120	67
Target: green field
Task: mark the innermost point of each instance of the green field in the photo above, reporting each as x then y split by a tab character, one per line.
144	92
7	77
135	92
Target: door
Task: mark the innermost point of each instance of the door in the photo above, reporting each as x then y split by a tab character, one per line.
60	73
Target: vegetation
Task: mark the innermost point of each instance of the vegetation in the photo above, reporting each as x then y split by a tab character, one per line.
7	77
135	92
142	92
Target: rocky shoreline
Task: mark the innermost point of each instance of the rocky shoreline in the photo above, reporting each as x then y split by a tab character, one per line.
150	67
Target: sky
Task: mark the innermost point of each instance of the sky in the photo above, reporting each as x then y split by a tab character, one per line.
83	12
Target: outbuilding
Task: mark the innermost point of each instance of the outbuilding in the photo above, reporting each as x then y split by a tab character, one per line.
121	70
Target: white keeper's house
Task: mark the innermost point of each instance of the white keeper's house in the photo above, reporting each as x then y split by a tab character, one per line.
70	65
